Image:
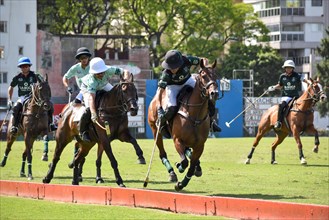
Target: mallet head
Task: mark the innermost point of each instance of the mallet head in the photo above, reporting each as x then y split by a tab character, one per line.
227	124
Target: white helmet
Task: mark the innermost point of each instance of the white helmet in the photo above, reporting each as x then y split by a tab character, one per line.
289	63
97	65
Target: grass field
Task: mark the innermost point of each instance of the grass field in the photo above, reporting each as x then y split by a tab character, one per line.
224	171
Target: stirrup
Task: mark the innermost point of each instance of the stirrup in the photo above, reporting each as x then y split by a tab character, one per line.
278	125
14	130
85	136
52	127
214	127
165	132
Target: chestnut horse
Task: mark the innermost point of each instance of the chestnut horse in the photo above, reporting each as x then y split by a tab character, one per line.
299	119
34	122
190	126
112	124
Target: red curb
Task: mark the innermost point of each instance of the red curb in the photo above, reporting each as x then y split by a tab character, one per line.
175	202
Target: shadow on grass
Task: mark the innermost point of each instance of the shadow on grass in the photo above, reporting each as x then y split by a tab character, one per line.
259	196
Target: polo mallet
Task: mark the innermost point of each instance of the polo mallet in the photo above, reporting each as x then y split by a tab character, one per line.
4	120
155	142
251	105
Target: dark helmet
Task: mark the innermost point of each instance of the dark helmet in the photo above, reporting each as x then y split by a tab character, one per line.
173	60
82	51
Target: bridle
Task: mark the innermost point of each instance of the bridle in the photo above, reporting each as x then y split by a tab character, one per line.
204	87
36	98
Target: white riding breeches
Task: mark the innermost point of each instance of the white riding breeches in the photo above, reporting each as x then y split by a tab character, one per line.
173	90
286	99
86	94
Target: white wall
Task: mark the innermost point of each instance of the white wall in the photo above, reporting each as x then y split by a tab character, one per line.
313	11
17	13
313	32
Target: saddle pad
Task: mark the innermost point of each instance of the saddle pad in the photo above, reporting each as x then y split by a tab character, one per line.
78	114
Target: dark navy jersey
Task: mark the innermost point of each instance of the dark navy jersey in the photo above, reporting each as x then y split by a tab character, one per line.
182	75
291	85
24	83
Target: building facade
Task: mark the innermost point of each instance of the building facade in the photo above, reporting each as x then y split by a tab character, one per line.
18	38
296	28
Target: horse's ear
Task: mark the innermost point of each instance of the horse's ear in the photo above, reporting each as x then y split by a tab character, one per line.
132	77
202	63
214	63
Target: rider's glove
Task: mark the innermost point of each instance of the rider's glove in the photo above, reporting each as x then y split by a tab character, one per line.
10	104
271	88
69	90
161	114
94	117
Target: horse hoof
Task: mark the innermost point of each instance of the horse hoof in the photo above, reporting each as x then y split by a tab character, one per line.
173	177
44	157
315	149
75	183
247	161
303	161
22	175
274	162
141	160
99	180
80	178
30	178
3	164
178	186
198	173
122	185
46	180
70	165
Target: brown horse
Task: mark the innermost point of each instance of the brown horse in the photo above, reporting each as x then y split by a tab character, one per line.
34	122
299	119
112	124
190	126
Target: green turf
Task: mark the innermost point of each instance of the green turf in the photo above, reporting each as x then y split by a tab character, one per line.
224	171
23	208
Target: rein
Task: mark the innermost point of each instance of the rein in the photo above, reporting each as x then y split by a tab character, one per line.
204	97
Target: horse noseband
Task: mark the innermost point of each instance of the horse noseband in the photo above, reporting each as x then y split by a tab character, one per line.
206	87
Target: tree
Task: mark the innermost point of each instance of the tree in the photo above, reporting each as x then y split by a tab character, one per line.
195	27
323	72
75	16
263	60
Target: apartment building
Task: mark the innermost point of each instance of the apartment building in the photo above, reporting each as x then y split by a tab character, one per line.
18	38
296	28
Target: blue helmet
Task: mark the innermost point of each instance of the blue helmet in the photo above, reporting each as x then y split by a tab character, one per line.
24	60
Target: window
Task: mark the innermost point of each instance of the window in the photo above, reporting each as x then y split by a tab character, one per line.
3	26
3	77
2	52
20	50
27	28
316	3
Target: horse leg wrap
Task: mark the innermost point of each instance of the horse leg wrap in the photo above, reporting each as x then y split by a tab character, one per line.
167	164
186	180
182	166
251	153
188	153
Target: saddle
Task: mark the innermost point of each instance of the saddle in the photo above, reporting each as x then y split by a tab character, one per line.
182	97
286	111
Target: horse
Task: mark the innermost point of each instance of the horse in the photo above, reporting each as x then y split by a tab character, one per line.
299	119
190	126
112	124
34	122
